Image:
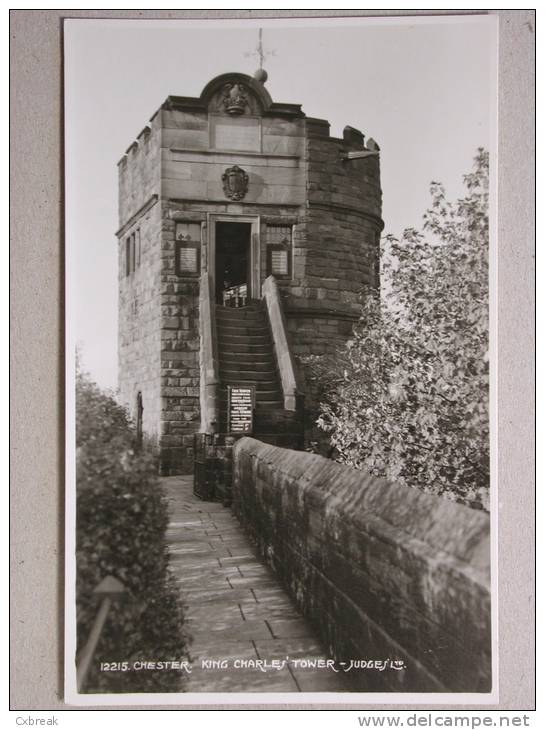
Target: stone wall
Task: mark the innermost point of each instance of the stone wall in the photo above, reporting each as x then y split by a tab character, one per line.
383	571
139	171
179	354
193	160
336	250
213	470
139	322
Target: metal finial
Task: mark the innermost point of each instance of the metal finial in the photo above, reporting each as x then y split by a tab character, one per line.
259	48
261	55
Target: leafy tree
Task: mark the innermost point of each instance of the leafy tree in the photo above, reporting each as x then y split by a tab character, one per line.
410	399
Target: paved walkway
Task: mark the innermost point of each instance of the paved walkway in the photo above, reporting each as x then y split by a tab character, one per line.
236	611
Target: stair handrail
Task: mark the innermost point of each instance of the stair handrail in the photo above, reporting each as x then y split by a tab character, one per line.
291	389
208	357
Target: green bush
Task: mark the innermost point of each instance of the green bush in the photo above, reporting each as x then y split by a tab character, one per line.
121	514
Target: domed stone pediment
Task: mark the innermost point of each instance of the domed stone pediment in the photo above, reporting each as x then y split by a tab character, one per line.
236	94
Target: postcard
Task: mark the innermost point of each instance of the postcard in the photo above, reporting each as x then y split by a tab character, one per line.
281	307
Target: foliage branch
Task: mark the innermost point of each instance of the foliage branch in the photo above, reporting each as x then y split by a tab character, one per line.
408	396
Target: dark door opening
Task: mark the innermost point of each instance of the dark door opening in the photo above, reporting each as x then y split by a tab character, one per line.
233	263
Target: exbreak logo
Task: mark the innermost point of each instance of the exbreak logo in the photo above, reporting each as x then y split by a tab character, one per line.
40	721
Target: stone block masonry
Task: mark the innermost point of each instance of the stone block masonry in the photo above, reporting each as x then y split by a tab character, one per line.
139	336
382	571
180	344
306	203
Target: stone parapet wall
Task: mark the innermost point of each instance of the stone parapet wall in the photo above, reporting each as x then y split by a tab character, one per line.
333	180
336	248
139	171
383	571
342	224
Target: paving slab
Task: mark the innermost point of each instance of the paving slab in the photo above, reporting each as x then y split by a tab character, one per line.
302	647
244	627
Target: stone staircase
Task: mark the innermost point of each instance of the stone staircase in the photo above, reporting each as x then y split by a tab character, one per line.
246	357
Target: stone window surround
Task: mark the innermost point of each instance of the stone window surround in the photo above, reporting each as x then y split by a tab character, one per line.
133	252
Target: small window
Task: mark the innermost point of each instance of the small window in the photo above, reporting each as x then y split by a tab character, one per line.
279	251
132	252
127	256
138	250
188	249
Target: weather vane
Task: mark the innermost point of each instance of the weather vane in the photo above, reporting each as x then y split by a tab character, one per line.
258	52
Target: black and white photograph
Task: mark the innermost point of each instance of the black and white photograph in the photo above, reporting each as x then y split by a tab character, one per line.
281	360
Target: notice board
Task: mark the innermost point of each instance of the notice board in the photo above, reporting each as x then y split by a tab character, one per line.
240	408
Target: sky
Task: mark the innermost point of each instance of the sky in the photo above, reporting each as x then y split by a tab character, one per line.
423	88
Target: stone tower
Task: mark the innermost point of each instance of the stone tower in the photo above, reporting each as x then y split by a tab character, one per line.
234	187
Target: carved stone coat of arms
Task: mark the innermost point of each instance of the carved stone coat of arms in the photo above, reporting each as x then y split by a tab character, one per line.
235	183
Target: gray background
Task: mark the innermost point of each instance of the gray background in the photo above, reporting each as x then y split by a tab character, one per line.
37	323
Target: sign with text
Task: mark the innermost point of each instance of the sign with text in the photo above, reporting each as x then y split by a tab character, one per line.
279	262
188	260
240	408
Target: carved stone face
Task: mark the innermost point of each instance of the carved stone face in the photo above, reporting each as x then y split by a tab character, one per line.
235	183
